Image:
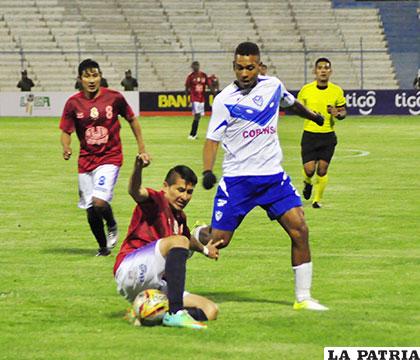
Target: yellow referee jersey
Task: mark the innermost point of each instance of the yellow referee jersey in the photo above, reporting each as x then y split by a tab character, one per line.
317	100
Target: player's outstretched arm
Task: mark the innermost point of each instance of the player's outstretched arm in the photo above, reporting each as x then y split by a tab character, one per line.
299	109
136	129
209	158
210	250
135	188
65	142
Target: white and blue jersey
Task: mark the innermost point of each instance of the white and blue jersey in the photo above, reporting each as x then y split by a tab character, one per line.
245	123
246	126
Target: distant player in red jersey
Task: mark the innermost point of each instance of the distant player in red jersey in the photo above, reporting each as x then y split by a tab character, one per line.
213	83
195	86
93	114
155	251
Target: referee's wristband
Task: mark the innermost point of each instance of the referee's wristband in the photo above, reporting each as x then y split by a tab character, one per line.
205	250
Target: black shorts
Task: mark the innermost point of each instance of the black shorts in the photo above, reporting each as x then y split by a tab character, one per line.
317	146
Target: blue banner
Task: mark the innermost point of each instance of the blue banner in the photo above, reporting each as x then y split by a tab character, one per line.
383	102
359	102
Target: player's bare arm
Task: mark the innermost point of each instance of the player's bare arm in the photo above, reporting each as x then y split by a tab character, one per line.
135	188
299	109
209	158
136	129
338	112
209	154
65	142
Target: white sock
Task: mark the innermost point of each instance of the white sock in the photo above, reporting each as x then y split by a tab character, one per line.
303	281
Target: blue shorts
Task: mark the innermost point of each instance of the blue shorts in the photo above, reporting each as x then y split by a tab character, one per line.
237	196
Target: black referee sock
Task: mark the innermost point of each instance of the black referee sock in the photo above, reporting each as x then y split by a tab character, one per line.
197	313
175	269
97	226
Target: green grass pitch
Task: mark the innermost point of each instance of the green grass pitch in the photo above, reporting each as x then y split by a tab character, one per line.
58	301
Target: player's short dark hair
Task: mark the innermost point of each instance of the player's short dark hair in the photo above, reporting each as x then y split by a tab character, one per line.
184	172
88	64
195	63
247	48
322	59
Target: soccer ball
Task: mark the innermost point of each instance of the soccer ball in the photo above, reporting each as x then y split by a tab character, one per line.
150	306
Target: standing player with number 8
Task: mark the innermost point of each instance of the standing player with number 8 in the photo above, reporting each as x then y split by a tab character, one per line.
93	114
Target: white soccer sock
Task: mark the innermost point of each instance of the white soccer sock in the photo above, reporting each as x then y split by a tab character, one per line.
303	281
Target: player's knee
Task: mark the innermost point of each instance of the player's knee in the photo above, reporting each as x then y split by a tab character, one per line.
179	241
299	233
221	235
226	240
303	229
309	172
99	203
211	310
322	172
224	244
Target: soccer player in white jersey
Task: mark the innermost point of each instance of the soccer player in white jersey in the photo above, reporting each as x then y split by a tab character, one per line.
244	121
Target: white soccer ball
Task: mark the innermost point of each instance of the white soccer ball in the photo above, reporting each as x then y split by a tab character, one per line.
150	306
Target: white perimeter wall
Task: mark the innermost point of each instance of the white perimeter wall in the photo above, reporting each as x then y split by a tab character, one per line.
36	103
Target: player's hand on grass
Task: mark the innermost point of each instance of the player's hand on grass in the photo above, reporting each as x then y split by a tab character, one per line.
209	179
67	152
212	249
145	158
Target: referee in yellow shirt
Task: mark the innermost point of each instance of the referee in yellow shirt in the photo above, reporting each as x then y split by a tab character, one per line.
318	142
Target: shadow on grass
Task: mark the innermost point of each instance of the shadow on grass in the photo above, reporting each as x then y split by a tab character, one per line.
218	297
117	314
225	296
70	251
221	297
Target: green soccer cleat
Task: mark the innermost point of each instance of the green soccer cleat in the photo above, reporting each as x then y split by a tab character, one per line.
197	224
309	304
183	320
131	317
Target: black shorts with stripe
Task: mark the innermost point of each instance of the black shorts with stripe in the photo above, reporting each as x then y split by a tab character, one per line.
317	146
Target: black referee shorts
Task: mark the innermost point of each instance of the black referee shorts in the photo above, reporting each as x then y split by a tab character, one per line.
317	146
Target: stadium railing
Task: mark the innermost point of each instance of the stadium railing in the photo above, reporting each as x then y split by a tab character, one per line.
166	70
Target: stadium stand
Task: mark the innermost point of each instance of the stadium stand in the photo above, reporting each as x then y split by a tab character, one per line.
49	37
401	26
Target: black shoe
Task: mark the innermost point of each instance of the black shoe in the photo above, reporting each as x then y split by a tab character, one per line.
307	190
316	205
103	252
